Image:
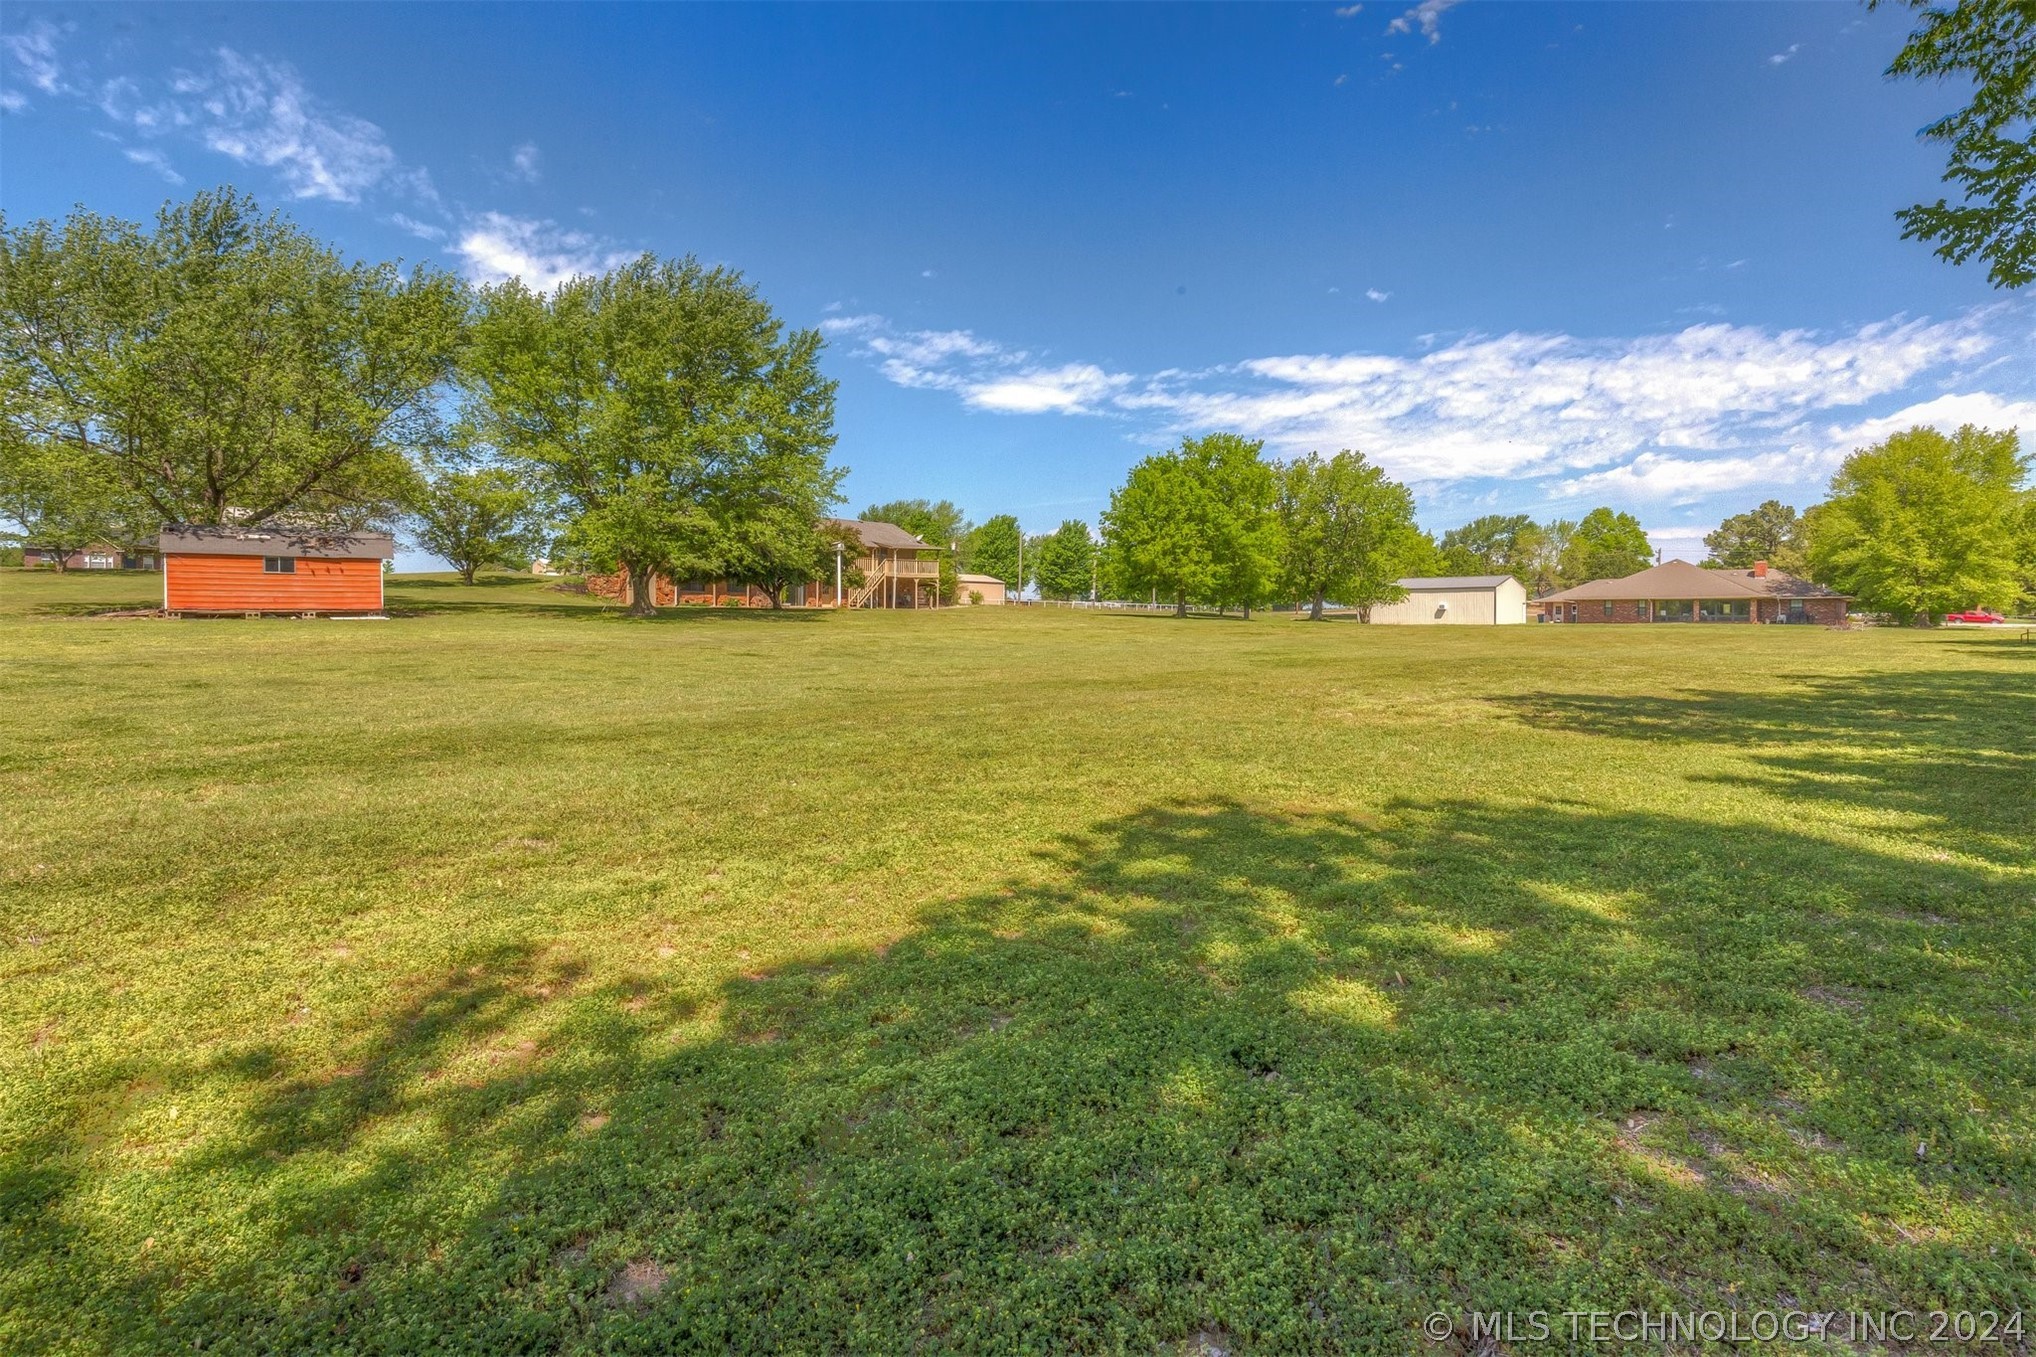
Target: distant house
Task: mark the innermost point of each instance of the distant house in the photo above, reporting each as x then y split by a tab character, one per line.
897	569
1456	601
1680	592
979	589
99	556
272	569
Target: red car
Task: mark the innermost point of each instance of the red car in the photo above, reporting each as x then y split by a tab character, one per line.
1976	615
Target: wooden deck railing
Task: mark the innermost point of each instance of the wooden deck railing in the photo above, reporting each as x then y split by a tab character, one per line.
902	570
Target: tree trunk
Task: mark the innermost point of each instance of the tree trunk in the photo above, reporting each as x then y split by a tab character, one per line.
775	594
1315	607
467	573
642	602
1181	604
1364	612
1247	612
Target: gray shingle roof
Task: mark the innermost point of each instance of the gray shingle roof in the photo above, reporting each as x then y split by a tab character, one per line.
874	534
199	539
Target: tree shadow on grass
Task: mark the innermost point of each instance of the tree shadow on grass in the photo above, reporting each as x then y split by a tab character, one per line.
1194	615
1956	749
1280	1079
82	609
602	610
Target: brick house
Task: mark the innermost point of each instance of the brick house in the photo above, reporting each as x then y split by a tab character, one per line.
1680	592
98	556
898	570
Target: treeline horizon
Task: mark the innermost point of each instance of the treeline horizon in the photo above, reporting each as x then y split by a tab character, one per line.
228	367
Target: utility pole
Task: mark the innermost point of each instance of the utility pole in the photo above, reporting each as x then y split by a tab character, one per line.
838	600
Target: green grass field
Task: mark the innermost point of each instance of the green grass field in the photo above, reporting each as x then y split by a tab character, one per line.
512	977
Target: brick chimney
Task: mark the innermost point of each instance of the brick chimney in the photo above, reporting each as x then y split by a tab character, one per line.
1760	570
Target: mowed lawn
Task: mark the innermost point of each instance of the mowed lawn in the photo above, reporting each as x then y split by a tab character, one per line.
512	977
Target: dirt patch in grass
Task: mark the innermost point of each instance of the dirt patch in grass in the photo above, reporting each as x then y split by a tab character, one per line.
637	1283
1832	996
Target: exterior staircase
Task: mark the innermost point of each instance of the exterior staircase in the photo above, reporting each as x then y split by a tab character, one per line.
873	580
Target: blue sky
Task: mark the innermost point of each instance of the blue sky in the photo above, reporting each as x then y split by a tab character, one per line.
1531	257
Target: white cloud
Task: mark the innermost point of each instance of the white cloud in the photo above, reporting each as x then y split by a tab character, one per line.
1350	11
1810	452
423	230
1945	412
1427	16
1376	295
1780	58
1075	388
1681	543
34	50
986	375
12	101
496	247
1661	476
153	159
258	112
1661	418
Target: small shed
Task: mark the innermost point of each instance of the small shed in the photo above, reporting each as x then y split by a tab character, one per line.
272	569
1457	600
980	588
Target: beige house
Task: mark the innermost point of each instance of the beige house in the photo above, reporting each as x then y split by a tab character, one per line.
1457	601
980	589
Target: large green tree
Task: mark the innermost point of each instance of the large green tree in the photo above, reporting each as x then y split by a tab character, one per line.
1245	531
1154	536
1605	544
1496	544
1343	529
994	547
780	547
938	523
773	513
1195	524
1546	554
1991	141
654	407
61	500
2026	552
474	517
224	365
1064	561
1772	532
1924	524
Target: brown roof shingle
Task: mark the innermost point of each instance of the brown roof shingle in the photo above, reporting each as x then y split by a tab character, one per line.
1680	579
874	534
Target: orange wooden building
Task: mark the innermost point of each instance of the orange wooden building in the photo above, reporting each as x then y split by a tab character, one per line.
272	569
